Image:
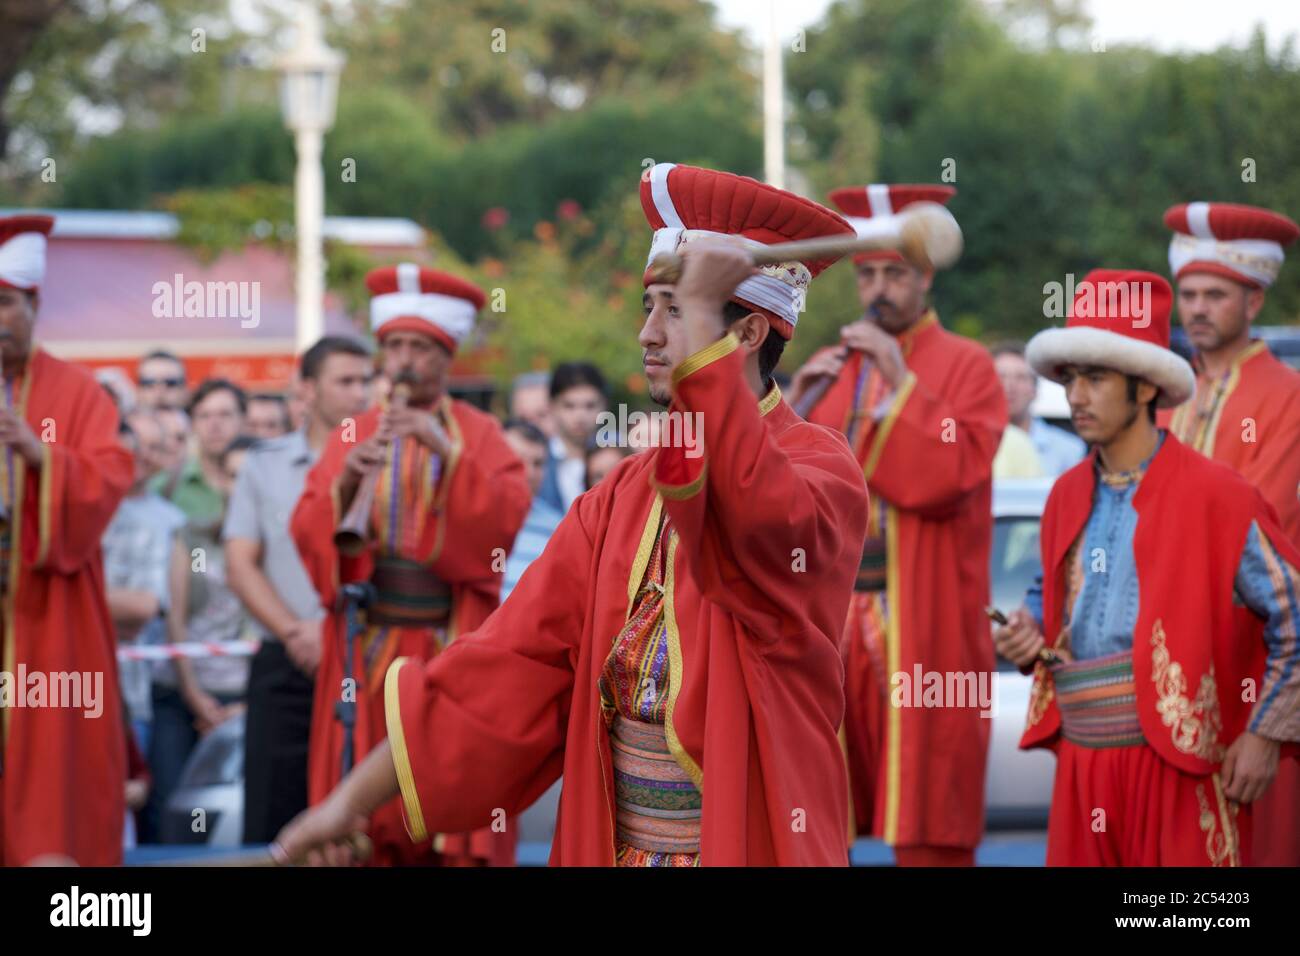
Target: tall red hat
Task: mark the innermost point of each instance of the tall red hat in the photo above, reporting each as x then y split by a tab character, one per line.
1242	243
1119	320
683	203
409	298
871	208
22	250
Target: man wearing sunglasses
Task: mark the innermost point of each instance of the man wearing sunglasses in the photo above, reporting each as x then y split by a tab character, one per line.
160	381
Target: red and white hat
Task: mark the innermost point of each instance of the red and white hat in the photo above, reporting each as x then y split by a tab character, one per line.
871	209
1242	243
683	203
1119	320
22	251
410	298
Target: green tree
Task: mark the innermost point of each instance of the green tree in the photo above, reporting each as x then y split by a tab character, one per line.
480	65
69	69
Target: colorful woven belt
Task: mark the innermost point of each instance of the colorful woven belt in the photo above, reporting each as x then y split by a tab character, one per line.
658	804
872	569
1098	701
408	594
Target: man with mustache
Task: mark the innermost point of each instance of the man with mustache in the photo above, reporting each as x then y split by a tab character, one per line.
451	494
673	651
63	473
1163	635
1246	413
924	412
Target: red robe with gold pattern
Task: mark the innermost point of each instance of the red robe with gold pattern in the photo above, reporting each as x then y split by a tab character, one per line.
62	785
459	518
1194	646
1250	421
918	772
770	522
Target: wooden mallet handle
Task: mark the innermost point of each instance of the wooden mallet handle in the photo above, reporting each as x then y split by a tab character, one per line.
362	849
925	233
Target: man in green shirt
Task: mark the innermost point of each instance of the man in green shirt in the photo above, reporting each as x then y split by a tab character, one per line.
217	418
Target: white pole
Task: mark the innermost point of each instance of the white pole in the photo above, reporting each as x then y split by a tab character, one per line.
309	206
773	104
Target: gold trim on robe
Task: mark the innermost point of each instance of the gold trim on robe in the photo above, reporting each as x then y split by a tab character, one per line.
682	492
1194	724
1187	416
19	479
706	356
1221	848
684	760
401	758
893	654
886	424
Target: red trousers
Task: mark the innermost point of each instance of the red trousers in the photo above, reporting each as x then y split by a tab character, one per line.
1126	806
933	856
1277	819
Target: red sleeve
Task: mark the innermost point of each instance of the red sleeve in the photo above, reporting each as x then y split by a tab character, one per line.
1275	469
929	450
488	499
754	516
85	471
482	726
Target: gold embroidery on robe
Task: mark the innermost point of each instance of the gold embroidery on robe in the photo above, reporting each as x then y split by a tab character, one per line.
1040	694
1043	689
1221	847
1194	724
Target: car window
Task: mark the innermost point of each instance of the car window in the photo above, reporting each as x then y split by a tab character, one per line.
1014	564
217	759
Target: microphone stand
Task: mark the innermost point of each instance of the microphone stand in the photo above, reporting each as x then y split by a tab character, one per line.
352	598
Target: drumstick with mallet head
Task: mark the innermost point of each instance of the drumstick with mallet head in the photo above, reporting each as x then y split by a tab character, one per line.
925	234
362	849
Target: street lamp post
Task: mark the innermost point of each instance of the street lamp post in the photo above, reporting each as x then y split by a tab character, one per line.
773	104
308	93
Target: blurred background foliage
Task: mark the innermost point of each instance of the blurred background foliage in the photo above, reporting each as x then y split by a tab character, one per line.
523	163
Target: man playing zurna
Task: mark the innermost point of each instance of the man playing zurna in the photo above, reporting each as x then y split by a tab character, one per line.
449	497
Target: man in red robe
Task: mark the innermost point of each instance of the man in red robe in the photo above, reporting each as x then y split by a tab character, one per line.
449	497
1169	598
62	474
673	652
1246	414
924	412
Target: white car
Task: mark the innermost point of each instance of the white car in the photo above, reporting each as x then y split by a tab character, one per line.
1018	787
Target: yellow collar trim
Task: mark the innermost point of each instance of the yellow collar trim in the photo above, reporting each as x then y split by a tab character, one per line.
907	338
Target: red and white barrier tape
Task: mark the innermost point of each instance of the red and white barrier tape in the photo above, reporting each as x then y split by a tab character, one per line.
192	649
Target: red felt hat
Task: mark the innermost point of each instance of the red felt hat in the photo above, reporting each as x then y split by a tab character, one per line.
410	298
682	203
1119	320
1242	243
22	250
866	206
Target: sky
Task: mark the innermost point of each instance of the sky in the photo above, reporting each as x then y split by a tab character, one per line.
1167	25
